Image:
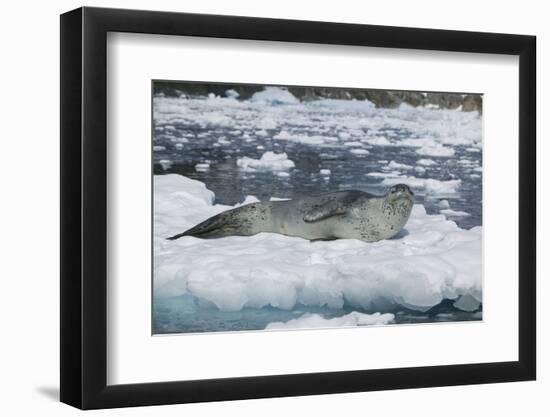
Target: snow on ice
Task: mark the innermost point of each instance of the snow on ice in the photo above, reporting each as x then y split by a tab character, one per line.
430	260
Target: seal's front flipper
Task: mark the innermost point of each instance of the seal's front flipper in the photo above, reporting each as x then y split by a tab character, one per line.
324	211
335	207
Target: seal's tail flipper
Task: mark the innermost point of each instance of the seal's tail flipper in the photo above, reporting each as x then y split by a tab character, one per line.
216	226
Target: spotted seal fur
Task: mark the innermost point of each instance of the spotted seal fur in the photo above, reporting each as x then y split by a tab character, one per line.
338	215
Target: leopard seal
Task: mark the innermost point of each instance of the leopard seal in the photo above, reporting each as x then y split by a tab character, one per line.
338	215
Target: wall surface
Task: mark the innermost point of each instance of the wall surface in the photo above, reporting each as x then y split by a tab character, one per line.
30	205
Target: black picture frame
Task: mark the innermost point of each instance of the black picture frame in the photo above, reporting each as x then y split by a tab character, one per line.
84	207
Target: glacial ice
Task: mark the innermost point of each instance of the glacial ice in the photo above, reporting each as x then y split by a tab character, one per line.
274	95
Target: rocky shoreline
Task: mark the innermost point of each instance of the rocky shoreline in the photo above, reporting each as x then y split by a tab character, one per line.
380	98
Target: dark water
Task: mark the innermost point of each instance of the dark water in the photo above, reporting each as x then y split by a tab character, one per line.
348	171
183	314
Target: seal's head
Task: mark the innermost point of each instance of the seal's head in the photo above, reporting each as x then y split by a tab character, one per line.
400	194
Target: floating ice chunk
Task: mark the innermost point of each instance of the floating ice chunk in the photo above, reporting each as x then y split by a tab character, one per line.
179	146
166	163
467	302
454	213
428	185
325	172
267	123
305	139
377	141
359	151
455	141
395	165
466	162
215	119
232	94
443	204
274	96
436	150
283	135
426	162
344	106
415	142
269	161
247	200
159	148
392	174
419	170
353	319
344	135
202	167
223	141
355	144
283	174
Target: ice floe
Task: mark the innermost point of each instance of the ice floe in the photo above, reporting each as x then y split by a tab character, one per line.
274	95
428	186
202	167
269	161
398	166
426	162
312	321
166	164
436	150
454	213
359	151
430	260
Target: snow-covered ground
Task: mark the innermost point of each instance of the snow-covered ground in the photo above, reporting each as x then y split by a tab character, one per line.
430	261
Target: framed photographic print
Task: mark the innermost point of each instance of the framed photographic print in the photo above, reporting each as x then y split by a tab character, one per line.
259	207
